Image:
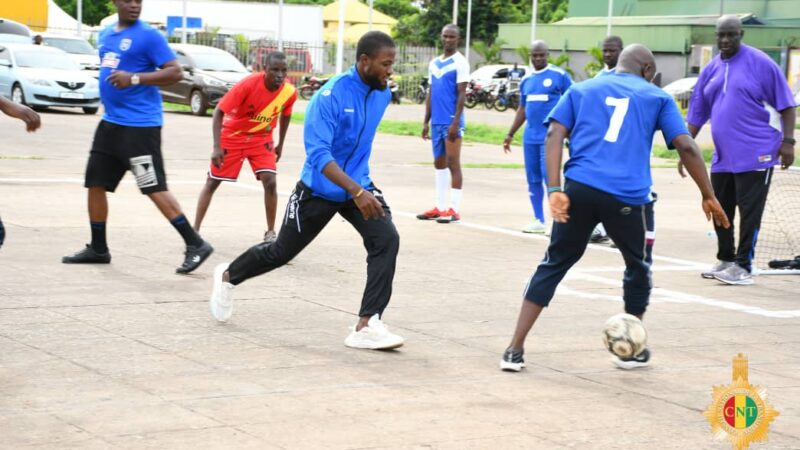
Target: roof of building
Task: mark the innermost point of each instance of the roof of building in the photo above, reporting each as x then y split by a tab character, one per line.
747	19
355	12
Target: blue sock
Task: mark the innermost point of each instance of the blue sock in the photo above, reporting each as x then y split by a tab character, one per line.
536	192
98	237
187	232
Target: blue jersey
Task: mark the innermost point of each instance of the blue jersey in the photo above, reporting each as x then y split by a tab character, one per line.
540	91
341	121
444	75
138	48
612	121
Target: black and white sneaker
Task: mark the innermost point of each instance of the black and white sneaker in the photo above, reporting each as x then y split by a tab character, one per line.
512	360
87	256
640	360
194	257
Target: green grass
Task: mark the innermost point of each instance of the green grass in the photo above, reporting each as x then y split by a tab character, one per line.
176	107
660	151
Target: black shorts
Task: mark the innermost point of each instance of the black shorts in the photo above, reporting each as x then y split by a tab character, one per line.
117	149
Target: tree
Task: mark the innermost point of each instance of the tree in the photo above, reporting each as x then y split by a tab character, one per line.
93	11
524	52
562	61
596	64
492	54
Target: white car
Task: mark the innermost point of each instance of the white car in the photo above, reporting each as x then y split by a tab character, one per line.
78	49
41	76
681	89
491	73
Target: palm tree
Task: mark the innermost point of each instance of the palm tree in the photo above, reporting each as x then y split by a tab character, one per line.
596	64
492	54
562	61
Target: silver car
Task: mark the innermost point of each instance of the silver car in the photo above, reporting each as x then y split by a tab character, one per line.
41	76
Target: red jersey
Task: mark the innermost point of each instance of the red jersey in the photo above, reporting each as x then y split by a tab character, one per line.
251	111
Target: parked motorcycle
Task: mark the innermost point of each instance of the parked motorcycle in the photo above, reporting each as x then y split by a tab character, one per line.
395	89
504	98
311	85
477	93
422	91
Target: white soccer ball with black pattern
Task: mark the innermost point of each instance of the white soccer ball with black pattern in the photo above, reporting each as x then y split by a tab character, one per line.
624	335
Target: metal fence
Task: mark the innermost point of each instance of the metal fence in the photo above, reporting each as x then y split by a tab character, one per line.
305	60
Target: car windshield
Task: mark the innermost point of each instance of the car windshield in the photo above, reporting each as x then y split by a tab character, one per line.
45	60
217	62
78	46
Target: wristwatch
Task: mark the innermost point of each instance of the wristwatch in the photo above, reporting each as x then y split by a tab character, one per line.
790	141
135	79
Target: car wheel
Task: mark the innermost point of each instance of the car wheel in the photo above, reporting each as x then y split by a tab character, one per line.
198	103
17	96
89	110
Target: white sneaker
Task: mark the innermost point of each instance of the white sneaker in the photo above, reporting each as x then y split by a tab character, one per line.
735	274
221	301
374	336
718	267
535	227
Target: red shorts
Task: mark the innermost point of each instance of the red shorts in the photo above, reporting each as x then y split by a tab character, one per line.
261	158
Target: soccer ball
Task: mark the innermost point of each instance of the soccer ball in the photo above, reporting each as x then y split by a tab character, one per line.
624	335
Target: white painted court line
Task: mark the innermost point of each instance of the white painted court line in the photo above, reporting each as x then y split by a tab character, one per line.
658	294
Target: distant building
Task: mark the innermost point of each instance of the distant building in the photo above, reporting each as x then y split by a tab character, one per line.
356	21
680	32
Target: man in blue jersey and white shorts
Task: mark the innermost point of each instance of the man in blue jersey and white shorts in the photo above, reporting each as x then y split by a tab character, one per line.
610	122
448	76
539	92
135	60
341	122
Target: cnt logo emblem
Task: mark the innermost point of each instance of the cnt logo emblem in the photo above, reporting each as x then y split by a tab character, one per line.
739	411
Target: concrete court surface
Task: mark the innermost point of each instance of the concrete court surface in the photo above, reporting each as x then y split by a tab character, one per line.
127	356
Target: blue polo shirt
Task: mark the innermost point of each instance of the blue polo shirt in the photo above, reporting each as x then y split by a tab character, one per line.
612	121
540	91
138	48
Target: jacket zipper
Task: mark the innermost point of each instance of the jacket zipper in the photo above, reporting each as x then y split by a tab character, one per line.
358	140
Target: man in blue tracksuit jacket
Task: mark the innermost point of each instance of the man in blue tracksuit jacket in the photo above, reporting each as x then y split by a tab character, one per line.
340	124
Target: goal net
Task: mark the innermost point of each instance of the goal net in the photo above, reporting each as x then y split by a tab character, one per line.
778	247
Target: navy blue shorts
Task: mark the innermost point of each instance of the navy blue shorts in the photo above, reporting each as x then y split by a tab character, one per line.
631	227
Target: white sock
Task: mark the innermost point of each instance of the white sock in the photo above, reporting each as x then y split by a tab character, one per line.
455	199
442	184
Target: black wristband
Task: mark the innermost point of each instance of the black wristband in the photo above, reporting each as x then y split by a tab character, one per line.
790	141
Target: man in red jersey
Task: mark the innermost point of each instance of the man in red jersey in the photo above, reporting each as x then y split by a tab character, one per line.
242	129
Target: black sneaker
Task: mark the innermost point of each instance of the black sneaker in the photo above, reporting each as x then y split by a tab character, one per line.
512	361
194	257
87	256
640	360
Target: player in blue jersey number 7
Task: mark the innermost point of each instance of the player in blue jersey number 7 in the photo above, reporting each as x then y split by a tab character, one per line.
610	122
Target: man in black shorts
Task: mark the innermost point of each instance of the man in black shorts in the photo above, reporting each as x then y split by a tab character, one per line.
129	136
